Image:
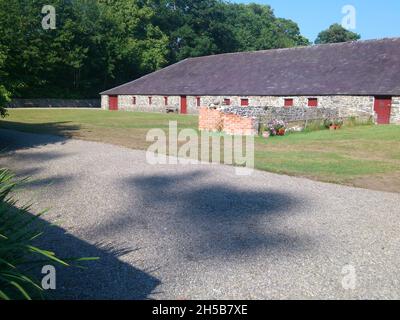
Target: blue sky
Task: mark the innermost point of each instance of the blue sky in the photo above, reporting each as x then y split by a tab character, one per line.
374	18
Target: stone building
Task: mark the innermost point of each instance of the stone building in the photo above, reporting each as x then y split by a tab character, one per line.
358	78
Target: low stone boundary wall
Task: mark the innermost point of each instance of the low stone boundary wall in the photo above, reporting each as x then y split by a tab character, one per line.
247	120
291	114
217	121
54	103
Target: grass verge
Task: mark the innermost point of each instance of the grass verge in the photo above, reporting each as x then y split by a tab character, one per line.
364	156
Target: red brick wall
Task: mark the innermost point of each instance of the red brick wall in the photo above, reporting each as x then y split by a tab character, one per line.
210	119
214	120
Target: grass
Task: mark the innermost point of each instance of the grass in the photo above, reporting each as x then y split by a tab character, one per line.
365	156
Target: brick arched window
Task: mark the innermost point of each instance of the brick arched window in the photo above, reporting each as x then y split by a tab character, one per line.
150	100
133	100
166	101
198	101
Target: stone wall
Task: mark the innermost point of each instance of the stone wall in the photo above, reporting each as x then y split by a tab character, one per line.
292	114
54	103
346	106
126	103
104	102
395	116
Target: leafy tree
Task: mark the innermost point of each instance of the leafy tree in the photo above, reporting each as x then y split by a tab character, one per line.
257	28
4	94
335	34
98	44
197	28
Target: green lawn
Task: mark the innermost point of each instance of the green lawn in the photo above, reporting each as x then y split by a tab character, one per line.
365	156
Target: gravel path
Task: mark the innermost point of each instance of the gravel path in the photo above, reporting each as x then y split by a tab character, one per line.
200	231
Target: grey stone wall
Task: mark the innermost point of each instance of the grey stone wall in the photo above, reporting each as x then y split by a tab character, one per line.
345	106
54	103
125	103
395	115
104	102
293	114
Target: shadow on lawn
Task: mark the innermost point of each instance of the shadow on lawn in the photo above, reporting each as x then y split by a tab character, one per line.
106	278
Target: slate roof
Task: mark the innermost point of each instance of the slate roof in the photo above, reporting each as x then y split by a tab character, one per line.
352	68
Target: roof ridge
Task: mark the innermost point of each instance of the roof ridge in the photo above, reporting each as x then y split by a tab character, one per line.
314	46
368	67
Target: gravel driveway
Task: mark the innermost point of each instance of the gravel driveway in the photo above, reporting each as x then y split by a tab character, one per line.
200	231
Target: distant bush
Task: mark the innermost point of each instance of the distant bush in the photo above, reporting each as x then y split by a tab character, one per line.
4	98
359	121
314	125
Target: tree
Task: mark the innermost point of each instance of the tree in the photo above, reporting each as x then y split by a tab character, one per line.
4	94
197	28
257	28
4	98
335	34
98	44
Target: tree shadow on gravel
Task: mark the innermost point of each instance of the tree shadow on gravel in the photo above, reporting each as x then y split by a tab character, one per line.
106	278
210	219
17	152
15	135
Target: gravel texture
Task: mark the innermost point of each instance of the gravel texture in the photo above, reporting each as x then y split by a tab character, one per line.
200	231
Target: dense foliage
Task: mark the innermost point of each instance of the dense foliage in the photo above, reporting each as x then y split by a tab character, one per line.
335	34
4	94
101	43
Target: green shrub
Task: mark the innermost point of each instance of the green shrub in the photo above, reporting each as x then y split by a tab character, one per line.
314	125
18	255
359	121
4	98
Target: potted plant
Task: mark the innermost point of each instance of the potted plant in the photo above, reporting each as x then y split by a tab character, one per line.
277	127
281	132
333	124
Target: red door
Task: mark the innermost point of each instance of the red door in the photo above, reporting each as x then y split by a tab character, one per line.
382	107
183	105
113	103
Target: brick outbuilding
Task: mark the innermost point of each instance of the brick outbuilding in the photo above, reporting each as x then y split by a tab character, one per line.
358	78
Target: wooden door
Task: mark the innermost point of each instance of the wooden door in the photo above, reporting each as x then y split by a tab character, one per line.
113	103
383	107
183	105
